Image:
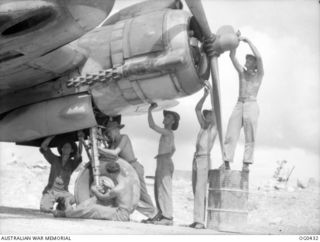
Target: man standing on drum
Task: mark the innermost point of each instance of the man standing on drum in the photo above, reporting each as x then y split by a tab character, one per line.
201	160
246	111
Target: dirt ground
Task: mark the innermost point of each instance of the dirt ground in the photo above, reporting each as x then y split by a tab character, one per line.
290	211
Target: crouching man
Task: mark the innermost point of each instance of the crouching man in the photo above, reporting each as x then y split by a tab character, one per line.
61	170
114	199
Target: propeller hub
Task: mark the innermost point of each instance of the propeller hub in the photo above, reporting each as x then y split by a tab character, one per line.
226	39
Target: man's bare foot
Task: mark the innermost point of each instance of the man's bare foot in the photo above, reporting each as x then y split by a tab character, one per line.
157	217
197	225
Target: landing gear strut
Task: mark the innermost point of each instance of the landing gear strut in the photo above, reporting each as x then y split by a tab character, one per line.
95	155
84	179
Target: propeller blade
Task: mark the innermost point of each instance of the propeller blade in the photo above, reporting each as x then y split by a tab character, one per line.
197	11
215	98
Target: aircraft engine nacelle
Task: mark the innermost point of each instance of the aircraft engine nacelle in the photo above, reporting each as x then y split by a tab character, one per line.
154	57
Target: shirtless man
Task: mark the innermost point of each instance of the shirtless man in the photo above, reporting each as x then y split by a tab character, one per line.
113	200
120	145
201	161
165	168
246	111
61	170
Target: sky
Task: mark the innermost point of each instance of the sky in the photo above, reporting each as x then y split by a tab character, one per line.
287	35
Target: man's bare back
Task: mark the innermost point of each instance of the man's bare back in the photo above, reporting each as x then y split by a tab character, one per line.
126	149
124	192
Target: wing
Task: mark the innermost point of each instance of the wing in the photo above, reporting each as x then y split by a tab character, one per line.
32	32
136	58
42	69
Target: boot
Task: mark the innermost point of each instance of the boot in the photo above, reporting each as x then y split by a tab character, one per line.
164	221
245	167
225	166
152	220
197	225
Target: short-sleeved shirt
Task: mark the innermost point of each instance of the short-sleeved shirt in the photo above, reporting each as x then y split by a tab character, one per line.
58	170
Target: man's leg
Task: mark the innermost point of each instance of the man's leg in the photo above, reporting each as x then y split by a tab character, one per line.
200	190
93	211
250	119
47	202
157	181
194	183
194	175
233	132
145	205
89	209
164	188
121	215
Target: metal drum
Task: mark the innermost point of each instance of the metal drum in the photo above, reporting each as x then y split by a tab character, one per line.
227	200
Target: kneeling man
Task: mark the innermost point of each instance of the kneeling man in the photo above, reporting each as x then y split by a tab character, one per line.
113	200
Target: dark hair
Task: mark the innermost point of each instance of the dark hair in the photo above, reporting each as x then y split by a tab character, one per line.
205	112
175	116
74	148
253	58
112	167
249	56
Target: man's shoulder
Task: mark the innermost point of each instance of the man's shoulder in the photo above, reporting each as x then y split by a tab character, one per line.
125	140
214	129
125	136
169	132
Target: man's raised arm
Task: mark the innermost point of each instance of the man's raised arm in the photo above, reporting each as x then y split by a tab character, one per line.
199	106
46	151
46	142
256	53
151	122
235	61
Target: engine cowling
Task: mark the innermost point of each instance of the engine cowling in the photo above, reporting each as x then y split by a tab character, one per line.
156	56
